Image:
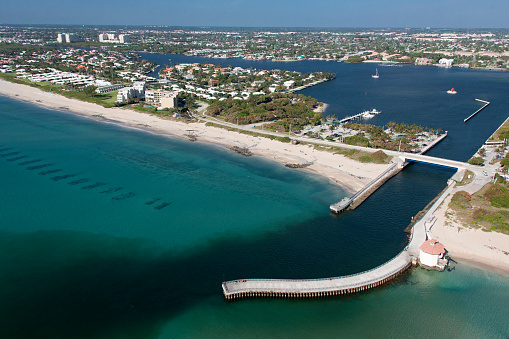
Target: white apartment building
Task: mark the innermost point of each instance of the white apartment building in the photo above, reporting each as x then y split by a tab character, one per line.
124	38
126	93
136	91
139	87
112	38
68	37
161	98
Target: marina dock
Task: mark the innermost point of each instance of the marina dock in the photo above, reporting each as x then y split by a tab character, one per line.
359	116
486	103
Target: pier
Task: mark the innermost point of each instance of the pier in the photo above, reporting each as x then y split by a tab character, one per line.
314	288
355	283
359	116
486	103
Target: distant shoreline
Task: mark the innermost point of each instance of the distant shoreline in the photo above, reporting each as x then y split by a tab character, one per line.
347	173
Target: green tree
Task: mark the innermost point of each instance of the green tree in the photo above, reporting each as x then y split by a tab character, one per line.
89	90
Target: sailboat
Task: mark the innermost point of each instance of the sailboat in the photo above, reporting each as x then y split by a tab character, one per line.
376	76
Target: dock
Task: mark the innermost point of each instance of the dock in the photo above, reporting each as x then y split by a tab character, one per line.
359	116
486	103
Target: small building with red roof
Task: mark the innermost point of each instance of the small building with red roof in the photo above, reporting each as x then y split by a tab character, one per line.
432	255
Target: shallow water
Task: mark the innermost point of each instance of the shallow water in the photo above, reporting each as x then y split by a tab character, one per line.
113	232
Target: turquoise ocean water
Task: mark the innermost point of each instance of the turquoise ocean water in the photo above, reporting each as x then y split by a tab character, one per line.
112	232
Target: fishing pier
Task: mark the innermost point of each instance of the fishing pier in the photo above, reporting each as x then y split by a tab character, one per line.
486	103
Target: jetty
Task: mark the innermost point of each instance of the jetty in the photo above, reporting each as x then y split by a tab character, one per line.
342	285
354	283
486	103
313	288
400	163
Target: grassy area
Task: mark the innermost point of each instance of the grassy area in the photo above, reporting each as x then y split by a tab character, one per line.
502	133
487	209
378	157
255	134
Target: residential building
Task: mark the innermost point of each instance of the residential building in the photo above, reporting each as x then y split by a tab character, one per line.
161	98
110	88
126	93
124	38
153	96
68	37
139	87
170	100
445	62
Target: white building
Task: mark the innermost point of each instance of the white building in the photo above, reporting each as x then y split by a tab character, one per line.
68	37
289	83
124	38
61	38
170	100
445	62
139	87
126	93
112	38
432	255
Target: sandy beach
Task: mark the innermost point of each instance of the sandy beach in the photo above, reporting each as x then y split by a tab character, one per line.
350	174
471	245
483	249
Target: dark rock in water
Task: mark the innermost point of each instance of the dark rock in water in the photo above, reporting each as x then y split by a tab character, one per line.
150	202
242	150
299	165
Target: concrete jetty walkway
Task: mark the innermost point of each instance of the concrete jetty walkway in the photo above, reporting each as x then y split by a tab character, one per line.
312	288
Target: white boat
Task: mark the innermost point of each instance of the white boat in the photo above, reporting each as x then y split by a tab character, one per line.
376	76
369	114
451	91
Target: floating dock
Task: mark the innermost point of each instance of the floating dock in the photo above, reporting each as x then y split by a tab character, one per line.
486	103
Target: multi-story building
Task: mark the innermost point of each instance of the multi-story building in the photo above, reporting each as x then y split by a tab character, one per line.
68	37
161	98
153	96
124	38
126	93
110	37
169	101
61	38
139	87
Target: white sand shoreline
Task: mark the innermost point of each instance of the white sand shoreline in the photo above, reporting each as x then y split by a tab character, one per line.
485	250
348	173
